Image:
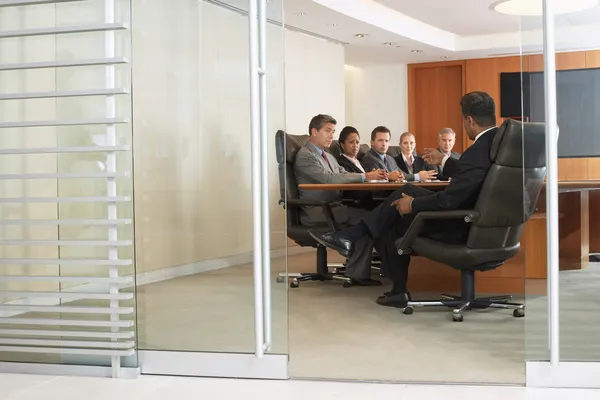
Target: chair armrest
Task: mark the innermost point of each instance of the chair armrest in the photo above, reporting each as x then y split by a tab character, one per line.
325	205
405	242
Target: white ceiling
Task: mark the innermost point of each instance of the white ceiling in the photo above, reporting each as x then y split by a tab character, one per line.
437	28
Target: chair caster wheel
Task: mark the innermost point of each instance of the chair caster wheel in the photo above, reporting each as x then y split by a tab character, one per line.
408	310
294	284
519	313
457	317
280	279
347	284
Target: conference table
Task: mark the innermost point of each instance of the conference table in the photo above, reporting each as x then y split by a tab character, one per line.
529	265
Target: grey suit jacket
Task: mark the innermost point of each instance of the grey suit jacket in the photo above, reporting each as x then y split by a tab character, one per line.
310	167
438	168
372	160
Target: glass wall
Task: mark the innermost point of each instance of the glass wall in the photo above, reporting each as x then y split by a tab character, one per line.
66	237
561	334
193	182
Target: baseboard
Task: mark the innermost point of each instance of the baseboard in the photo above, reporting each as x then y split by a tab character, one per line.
160	275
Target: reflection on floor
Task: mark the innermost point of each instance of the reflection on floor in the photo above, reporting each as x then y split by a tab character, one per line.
338	333
334	333
27	387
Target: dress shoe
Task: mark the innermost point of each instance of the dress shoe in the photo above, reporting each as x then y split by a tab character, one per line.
365	282
343	246
385	294
398	300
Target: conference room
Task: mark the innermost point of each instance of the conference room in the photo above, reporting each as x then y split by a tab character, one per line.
152	216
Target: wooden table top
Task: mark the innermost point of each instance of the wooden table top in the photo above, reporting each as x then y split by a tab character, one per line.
567	185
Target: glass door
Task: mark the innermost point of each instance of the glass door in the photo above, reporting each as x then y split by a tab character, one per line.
208	93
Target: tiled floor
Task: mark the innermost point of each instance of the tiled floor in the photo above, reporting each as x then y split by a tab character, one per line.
29	387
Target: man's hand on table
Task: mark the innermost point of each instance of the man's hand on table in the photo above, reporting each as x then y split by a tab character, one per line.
395	176
433	156
403	205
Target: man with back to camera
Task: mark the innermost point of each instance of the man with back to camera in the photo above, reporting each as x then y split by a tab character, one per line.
314	165
391	219
446	142
377	156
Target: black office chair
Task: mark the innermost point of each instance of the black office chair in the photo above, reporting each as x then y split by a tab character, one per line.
506	202
287	147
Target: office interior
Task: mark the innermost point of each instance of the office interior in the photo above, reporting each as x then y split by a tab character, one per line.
166	224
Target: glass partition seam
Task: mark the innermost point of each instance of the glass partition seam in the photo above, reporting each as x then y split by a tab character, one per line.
551	180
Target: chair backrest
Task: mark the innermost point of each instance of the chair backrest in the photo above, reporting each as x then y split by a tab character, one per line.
286	148
512	186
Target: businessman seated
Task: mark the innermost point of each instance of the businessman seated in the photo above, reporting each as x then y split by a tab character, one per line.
414	167
377	157
390	220
314	165
446	138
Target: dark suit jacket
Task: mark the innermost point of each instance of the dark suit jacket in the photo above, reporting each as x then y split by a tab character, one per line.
419	165
468	174
371	160
441	176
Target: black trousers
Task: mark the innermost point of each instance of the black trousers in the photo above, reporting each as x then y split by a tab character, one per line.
386	225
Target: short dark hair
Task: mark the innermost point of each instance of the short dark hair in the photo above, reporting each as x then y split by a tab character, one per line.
480	106
318	121
380	129
346	132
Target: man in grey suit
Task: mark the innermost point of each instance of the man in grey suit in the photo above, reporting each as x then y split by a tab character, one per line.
446	141
377	157
314	165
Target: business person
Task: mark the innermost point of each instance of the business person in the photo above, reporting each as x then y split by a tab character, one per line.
446	140
392	218
314	165
414	167
349	142
377	157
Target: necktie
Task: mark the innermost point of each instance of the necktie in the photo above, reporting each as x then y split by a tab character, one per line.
326	160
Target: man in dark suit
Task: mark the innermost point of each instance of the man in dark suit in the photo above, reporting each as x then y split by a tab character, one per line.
377	158
446	141
392	218
314	165
414	167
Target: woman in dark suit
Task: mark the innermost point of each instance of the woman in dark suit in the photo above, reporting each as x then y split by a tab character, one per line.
414	167
349	142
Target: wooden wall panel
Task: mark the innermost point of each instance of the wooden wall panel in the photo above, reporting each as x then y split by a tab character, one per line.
564	61
435	93
592	59
484	74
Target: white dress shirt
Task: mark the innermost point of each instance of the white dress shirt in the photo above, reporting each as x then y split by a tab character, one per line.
410	167
355	162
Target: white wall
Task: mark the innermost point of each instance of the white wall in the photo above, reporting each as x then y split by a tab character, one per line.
377	95
314	74
192	126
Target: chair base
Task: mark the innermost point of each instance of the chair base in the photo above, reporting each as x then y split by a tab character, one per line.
460	305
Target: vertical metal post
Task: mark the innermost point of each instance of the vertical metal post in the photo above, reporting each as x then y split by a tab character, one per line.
264	158
111	167
551	182
255	131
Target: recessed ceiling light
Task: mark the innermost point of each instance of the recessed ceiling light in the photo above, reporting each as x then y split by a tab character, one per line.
534	7
361	35
300	14
445	57
332	25
388	43
417	51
